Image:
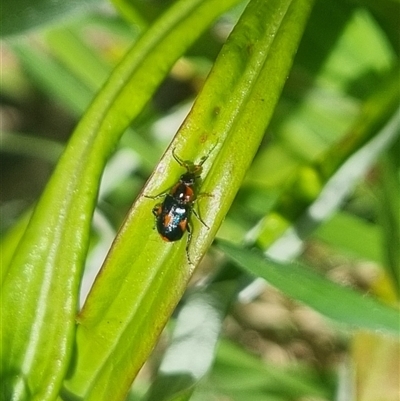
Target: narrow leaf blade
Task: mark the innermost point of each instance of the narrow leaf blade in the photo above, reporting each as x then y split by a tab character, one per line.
332	300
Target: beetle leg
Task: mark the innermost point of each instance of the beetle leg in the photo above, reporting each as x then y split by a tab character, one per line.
157	209
204	158
160	195
181	162
197	213
203	194
189	239
199	218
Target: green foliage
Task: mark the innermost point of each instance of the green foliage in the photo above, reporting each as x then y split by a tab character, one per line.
333	301
331	122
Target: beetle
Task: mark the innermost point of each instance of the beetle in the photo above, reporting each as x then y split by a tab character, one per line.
173	214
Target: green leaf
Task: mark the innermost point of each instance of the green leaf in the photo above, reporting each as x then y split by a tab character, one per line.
20	144
322	184
52	78
143	277
10	242
389	195
40	290
67	46
332	300
191	352
241	376
352	235
20	15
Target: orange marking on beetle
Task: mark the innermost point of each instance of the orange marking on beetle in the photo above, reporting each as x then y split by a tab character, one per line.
167	219
189	193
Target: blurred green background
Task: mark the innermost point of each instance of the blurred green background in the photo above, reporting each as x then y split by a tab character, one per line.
340	100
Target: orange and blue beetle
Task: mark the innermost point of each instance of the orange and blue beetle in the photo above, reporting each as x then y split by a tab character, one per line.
173	214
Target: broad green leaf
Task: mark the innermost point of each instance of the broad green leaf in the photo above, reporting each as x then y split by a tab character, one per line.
332	300
40	290
143	277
